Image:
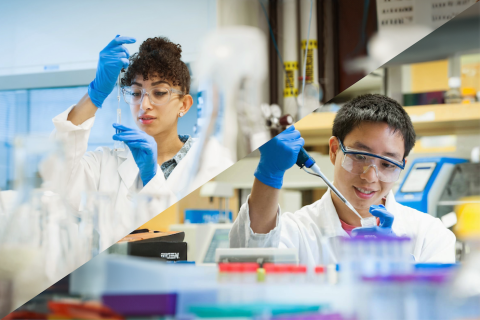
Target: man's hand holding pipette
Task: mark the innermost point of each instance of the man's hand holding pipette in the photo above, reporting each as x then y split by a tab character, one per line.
385	227
277	156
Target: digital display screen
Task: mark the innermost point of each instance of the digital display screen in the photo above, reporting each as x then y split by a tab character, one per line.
418	177
219	240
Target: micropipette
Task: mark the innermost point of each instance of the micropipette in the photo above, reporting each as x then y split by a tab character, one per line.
305	161
119	145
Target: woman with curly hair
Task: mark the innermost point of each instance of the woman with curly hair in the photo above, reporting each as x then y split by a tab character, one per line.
156	86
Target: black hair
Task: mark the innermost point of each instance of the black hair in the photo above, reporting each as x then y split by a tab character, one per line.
374	108
159	57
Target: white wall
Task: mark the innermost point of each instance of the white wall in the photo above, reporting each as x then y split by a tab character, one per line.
68	35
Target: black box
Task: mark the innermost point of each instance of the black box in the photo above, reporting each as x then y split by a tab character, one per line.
168	251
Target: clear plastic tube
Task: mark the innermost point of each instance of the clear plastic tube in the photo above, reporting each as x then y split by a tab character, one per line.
119	145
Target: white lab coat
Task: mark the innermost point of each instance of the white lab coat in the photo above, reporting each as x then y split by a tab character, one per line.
115	172
431	241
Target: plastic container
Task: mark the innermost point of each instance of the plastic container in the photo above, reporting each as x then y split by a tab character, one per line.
385	298
277	273
424	299
283	273
371	257
270	273
320	276
249	272
453	95
332	273
236	282
223	272
237	272
298	273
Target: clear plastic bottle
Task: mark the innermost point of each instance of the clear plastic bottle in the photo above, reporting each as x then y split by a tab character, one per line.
453	95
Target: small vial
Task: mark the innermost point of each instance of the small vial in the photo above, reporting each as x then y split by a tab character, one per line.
119	145
320	277
119	116
271	273
223	272
298	274
249	272
332	274
283	272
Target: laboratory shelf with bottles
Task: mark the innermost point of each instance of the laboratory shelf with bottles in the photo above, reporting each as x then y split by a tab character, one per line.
428	120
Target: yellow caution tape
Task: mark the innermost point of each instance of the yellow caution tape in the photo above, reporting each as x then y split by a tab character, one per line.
291	65
290	93
312	44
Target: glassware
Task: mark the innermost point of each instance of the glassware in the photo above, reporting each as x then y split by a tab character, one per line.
119	145
38	239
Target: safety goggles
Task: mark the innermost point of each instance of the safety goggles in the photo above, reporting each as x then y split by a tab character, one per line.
358	162
158	96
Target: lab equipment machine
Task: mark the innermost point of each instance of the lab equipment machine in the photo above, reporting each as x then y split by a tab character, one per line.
216	237
203	239
424	183
459	202
167	246
462	187
262	255
304	161
221	190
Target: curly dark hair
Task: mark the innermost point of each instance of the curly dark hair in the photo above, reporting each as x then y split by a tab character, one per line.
374	108
159	57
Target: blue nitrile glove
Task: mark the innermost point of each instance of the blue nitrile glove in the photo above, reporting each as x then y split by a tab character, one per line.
385	227
277	156
144	150
112	59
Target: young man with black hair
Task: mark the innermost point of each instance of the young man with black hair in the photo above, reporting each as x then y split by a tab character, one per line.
372	137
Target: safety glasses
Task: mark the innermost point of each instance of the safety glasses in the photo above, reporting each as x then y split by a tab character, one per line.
358	162
158	96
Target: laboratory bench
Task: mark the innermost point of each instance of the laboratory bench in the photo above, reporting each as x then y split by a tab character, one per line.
127	287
